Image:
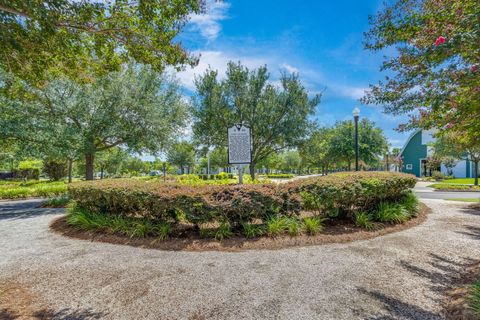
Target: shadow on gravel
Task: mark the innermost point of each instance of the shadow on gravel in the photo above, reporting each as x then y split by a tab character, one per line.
473	209
398	309
472	231
15	214
441	273
64	314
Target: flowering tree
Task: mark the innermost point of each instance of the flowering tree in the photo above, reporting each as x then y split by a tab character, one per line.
436	76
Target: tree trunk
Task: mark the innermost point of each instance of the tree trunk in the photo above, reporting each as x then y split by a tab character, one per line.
475	173
69	170
101	173
89	166
252	170
182	170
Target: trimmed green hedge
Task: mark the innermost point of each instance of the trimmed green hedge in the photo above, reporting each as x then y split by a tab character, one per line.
365	197
234	204
346	193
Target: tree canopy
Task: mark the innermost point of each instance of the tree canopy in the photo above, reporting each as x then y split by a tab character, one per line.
335	145
137	108
78	38
435	71
277	116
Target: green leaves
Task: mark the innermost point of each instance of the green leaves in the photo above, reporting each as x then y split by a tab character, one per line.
81	39
435	76
278	116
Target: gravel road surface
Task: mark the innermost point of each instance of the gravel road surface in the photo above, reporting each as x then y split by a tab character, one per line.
397	276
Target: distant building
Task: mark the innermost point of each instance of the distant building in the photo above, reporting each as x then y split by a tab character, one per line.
416	151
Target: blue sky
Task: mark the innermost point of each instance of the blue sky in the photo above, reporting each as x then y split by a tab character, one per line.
321	40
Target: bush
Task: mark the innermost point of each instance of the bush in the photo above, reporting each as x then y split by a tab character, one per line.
345	193
148	207
364	220
233	204
391	212
278	175
313	225
55	170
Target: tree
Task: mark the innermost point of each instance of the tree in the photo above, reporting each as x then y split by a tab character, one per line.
290	161
435	73
111	161
78	38
181	154
136	108
460	146
317	151
278	117
372	142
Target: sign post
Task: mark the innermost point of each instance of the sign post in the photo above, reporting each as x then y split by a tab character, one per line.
239	148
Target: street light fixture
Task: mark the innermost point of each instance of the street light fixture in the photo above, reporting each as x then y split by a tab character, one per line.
356	115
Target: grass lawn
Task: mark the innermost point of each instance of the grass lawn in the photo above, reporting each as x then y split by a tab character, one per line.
464	199
31	188
459	181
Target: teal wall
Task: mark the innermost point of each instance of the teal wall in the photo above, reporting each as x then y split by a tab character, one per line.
413	152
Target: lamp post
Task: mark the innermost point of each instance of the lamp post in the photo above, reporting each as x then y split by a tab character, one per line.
356	115
388	155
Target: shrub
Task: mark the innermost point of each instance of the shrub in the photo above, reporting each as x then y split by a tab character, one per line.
364	220
56	202
294	227
345	193
279	175
55	170
410	202
234	204
391	212
220	233
474	298
275	226
251	230
313	225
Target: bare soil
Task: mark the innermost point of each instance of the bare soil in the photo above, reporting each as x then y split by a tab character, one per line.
335	232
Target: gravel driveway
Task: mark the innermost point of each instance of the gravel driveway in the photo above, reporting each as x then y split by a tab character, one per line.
397	276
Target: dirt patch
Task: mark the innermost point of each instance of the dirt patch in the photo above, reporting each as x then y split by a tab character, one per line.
457	304
333	233
19	303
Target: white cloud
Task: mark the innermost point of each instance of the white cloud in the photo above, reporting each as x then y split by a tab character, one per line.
348	91
290	68
216	60
208	23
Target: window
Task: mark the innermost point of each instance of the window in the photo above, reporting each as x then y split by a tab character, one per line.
409	166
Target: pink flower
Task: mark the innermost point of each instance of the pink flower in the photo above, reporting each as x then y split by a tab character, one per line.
449	126
474	68
440	40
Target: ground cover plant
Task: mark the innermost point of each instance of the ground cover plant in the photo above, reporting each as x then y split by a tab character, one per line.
454	187
140	208
31	188
475	298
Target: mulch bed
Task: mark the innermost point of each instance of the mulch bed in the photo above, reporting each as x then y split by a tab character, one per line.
335	232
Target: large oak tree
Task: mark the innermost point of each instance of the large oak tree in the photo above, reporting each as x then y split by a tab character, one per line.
78	38
136	108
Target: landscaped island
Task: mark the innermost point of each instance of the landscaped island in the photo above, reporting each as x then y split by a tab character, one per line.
338	203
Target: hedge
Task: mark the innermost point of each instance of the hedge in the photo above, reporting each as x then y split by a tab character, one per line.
234	204
346	193
336	194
